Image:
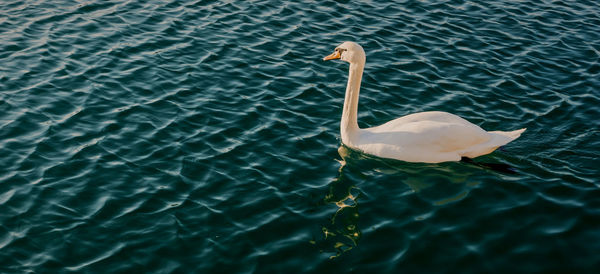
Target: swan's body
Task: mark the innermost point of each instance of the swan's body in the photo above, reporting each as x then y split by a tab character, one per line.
429	137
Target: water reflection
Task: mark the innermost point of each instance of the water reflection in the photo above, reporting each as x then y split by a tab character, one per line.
342	231
435	184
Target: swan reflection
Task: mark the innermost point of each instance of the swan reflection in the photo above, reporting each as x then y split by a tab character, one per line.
341	232
435	184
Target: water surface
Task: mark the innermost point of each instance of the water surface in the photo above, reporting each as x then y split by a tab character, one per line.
203	136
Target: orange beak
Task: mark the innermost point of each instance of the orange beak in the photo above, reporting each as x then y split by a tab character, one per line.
335	55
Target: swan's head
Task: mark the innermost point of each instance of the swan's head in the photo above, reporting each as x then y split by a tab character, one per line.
348	51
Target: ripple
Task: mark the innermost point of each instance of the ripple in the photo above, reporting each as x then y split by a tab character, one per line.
204	135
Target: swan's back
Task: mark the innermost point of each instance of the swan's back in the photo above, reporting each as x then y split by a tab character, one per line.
433	116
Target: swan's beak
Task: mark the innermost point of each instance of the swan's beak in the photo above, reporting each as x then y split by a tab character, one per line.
335	55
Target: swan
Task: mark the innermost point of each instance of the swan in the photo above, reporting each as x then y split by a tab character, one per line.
427	137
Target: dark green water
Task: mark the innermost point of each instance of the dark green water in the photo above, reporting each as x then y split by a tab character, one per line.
203	136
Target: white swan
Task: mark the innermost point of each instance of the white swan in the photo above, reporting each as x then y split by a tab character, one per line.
429	137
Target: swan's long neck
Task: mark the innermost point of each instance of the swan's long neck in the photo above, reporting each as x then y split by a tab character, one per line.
349	125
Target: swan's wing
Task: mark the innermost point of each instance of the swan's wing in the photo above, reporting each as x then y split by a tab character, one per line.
447	137
428	135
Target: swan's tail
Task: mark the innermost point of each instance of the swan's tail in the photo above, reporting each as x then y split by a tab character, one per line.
512	135
499	138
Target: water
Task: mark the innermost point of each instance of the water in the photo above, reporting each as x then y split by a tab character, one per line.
203	136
